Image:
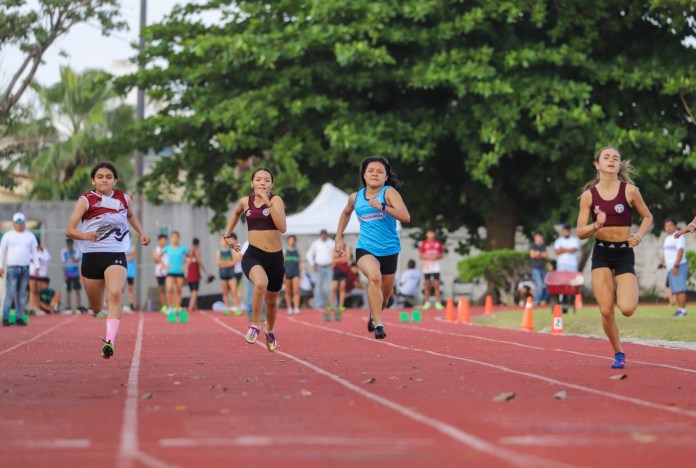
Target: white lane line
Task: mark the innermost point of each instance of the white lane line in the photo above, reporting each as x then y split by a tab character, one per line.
274	441
469	440
657	364
493	340
36	337
57	443
625	399
128	449
565	440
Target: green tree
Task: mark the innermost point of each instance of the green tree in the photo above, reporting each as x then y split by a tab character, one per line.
80	112
33	29
491	111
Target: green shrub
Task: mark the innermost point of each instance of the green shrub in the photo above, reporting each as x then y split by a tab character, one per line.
502	269
691	262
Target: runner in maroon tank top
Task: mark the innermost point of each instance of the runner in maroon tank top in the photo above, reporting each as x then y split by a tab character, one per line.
263	262
610	199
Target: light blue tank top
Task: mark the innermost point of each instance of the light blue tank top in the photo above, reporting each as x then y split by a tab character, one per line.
377	229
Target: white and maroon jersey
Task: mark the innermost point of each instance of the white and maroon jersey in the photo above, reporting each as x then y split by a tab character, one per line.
431	247
109	217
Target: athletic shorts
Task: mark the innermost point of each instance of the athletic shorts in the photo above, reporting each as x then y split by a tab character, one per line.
273	263
193	285
161	280
175	275
73	284
431	276
387	263
130	281
94	264
617	256
226	273
238	276
678	283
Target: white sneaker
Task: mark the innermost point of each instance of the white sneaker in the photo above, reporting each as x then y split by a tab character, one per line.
252	334
297	311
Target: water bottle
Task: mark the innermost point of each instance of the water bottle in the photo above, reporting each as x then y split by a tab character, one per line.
149	305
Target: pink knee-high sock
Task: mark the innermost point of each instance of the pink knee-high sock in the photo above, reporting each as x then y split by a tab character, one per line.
112	329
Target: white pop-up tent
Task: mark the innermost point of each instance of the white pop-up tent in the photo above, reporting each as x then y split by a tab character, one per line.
323	213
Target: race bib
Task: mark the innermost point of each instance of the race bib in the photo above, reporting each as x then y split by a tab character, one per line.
110	203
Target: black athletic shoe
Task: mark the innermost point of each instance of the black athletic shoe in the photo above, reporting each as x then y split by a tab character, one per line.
107	350
21	322
6	323
370	324
380	334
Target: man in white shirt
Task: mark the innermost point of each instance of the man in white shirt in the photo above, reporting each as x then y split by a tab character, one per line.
320	257
674	259
17	247
566	248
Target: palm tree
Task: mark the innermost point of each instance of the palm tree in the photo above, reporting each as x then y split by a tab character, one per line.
81	112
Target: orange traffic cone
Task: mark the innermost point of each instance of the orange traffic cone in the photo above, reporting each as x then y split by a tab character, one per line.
463	311
557	325
489	305
528	317
449	310
578	301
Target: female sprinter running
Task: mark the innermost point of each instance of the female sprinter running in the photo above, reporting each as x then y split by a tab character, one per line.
378	206
99	222
610	199
263	262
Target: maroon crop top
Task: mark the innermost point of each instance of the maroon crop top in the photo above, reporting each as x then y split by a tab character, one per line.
619	212
259	219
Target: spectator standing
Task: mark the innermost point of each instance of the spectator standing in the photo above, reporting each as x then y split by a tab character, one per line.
341	269
431	252
194	266
159	258
674	259
71	256
566	248
320	257
538	255
176	254
131	274
293	261
227	260
38	271
17	247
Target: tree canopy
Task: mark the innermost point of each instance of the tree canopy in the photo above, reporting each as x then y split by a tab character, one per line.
34	28
490	111
60	148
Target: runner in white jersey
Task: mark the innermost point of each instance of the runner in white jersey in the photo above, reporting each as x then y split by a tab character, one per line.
100	223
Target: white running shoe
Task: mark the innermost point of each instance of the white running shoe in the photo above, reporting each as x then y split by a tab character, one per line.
252	334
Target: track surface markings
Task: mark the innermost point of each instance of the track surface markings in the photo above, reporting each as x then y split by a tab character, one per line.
623	399
469	440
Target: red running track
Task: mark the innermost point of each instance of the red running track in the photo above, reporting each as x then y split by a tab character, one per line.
197	394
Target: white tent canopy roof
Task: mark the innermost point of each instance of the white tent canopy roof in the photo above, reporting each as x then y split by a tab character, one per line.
323	213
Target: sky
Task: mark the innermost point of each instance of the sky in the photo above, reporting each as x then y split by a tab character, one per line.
86	47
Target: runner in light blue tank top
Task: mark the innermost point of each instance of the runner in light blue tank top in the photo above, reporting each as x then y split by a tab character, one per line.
378	206
377	228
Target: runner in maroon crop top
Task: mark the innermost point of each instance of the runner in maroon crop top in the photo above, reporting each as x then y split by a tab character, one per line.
610	199
263	262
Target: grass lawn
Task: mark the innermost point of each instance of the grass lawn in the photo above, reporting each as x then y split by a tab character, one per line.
648	322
